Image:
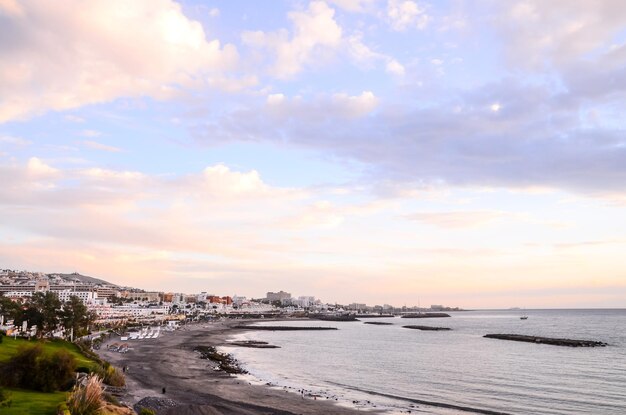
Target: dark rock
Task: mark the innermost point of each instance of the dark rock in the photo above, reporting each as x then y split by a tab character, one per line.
425	315
283	328
427	328
155	403
225	361
254	344
546	340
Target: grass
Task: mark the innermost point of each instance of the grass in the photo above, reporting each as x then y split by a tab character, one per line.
9	346
27	402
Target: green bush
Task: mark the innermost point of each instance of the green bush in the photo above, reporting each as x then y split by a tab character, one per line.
114	377
146	411
62	409
33	369
111	399
5	398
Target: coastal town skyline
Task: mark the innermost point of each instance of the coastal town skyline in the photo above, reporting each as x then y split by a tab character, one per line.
364	151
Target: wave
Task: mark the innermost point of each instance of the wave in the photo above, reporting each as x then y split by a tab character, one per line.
421	401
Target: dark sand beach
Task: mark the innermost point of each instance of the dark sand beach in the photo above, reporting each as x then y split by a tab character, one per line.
193	383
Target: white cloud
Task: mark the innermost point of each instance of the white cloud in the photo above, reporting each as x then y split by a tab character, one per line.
355	106
12	140
214	12
11	8
74	118
364	56
314	32
395	68
404	14
337	106
90	133
220	180
103	147
37	168
558	32
460	219
358	6
275	99
68	54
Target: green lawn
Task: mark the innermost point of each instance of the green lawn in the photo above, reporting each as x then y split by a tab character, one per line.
33	403
25	402
9	346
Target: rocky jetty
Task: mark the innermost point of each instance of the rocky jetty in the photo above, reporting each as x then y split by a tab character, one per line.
425	315
374	316
254	344
378	323
333	317
283	328
225	362
546	340
427	328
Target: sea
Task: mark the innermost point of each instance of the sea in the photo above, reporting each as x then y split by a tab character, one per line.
399	370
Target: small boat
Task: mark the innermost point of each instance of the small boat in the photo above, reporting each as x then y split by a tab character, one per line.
523	318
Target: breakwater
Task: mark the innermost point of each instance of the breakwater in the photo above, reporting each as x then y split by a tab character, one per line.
283	328
427	328
425	315
546	340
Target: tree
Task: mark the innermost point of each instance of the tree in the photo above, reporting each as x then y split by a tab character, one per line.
9	309
49	306
75	316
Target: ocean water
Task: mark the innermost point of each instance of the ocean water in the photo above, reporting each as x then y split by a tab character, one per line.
388	366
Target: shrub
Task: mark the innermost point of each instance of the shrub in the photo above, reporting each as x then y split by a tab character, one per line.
5	398
146	411
62	409
111	399
21	370
114	377
31	368
87	399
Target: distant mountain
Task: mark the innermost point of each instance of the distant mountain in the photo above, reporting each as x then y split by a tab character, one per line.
84	278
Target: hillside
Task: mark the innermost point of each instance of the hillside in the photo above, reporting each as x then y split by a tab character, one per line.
84	278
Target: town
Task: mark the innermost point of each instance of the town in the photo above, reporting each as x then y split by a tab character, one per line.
110	305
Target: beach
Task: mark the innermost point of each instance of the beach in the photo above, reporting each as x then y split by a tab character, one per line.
170	362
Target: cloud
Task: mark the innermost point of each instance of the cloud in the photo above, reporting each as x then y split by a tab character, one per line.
355	6
337	106
37	168
99	146
221	181
315	32
541	34
395	68
403	14
365	57
90	133
69	54
532	140
457	220
14	141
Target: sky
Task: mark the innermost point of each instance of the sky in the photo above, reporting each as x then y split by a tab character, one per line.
465	153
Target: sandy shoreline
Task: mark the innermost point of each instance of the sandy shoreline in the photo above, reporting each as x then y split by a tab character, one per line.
170	362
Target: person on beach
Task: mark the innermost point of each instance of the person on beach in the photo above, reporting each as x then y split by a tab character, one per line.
163	390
